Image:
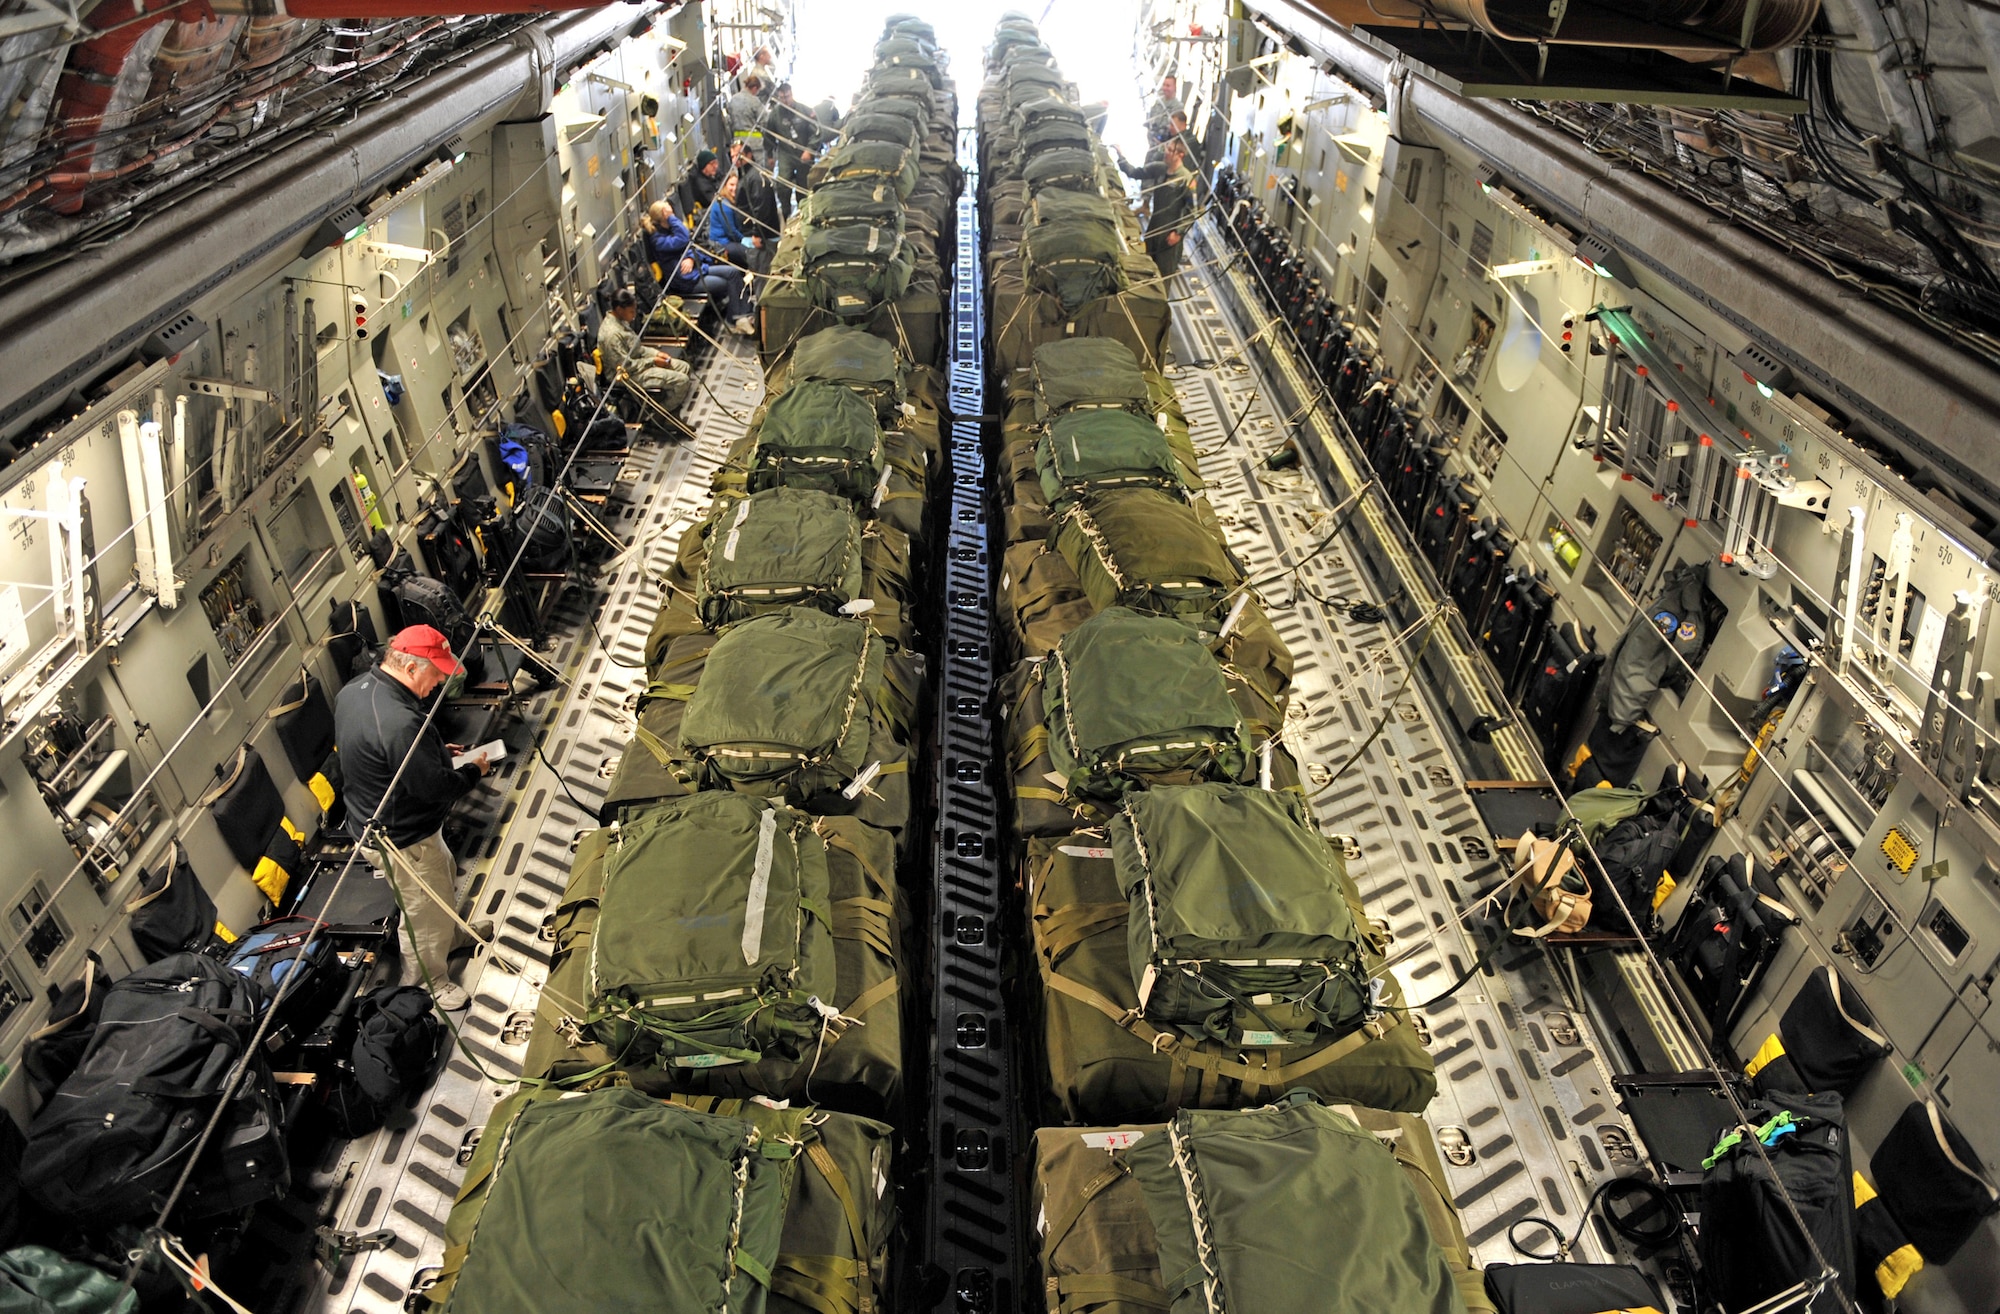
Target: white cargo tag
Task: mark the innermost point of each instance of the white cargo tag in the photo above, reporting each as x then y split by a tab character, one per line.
1082	851
1056	778
1264	1039
1235	613
1146	984
735	532
881	488
706	1061
760	887
1112	1140
861	781
858	607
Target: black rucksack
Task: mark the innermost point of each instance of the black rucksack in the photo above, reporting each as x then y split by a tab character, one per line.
111	1143
57	1046
396	1040
172	913
542	532
1635	853
285	955
1751	1247
422	600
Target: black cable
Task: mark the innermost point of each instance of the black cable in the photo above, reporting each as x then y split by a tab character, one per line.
1658	1202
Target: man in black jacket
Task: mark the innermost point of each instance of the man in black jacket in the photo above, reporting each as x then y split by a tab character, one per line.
379	729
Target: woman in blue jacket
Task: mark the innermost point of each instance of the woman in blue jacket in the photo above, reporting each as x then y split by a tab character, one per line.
725	227
689	271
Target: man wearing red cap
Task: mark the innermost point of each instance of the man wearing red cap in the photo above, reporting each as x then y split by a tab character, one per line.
379	728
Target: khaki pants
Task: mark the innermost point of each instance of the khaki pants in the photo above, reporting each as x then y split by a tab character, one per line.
426	879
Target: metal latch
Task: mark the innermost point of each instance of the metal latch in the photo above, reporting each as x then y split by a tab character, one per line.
331	1245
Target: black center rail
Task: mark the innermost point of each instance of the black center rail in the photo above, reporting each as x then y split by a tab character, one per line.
972	1226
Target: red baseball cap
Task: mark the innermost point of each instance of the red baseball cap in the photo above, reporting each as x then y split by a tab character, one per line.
427	642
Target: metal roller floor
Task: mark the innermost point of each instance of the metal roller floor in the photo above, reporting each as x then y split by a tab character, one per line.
1525	1114
402	1180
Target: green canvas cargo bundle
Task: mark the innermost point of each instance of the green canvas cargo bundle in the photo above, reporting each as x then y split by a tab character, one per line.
1089	372
880	126
904	83
1077	264
903	52
872	161
856	360
853	269
1239	928
885	588
1046	109
917	112
914	323
1062	168
1063	208
853	1060
1026	317
819	436
783	708
1090	451
1304	1209
1134	700
707	1193
868	202
1043	802
713	942
1026	79
779	548
1107	1063
744	1207
654	767
1143	549
1039	599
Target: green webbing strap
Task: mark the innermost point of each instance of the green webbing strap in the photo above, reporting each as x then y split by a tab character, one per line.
822	1283
1058	930
1082	1292
857	1231
750	1265
870	921
1038	793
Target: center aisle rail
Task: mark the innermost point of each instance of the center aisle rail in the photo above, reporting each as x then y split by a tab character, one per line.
973	1219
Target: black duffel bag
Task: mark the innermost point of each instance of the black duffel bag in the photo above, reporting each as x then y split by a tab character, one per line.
396	1039
110	1144
1570	1288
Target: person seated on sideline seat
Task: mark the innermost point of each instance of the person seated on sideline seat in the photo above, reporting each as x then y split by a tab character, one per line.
726	232
664	378
689	271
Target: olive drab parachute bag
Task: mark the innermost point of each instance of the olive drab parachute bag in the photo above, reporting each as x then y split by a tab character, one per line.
819	436
700	1201
1091	372
779	548
1131	700
884	161
712	943
783	708
876	125
855	359
1075	263
854	1058
1289	1209
1099	1250
1107	1063
1239	929
855	201
1065	168
852	269
1141	548
1095	450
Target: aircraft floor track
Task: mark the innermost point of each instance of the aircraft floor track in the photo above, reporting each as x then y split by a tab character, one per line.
517	858
1520	1080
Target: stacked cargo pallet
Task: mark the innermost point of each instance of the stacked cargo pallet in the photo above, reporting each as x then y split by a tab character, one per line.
870	243
1215	1010
719	1048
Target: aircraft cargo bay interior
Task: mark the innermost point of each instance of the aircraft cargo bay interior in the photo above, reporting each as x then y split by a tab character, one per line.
1215	656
